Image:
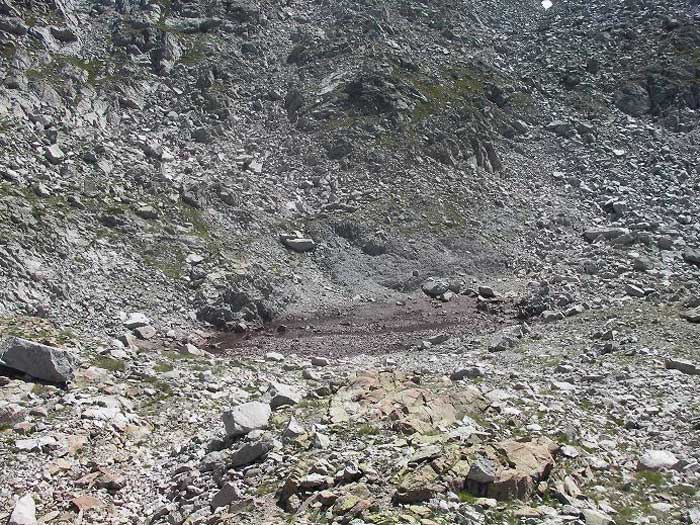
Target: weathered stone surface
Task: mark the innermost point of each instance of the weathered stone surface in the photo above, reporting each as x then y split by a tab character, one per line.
419	485
512	469
24	512
246	417
692	315
595	517
604	233
284	395
227	495
435	287
39	361
298	243
392	396
687	367
657	460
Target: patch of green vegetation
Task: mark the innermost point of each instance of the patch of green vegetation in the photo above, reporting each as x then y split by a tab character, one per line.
311	402
40	389
265	488
169	261
368	430
38	330
684	491
162	386
108	363
467	497
7	50
193	55
629	514
97	70
586	404
655	479
453	92
194	216
161	368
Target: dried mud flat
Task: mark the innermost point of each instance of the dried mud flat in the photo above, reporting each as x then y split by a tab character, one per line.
370	329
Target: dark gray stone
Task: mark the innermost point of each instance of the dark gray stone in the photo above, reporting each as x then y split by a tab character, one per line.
39	361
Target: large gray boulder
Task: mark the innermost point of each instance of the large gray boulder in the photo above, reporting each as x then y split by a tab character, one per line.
39	361
246	417
633	99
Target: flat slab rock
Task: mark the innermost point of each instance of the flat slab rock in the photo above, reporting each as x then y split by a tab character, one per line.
39	361
692	315
686	367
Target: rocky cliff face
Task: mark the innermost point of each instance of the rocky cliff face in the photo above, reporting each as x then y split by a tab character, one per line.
385	200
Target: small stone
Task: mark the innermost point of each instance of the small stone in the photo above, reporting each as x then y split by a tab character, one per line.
692	257
486	292
250	453
692	316
657	460
319	361
569	451
462	373
321	441
283	395
147	212
24	512
293	430
298	243
227	495
145	332
191	349
274	356
686	367
54	154
86	502
634	291
136	320
435	288
595	517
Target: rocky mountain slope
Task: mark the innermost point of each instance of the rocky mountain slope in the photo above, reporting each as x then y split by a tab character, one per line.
349	262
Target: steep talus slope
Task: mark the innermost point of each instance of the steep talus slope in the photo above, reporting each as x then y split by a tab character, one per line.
184	128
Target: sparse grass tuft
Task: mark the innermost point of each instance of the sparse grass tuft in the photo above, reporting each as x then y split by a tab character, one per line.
108	363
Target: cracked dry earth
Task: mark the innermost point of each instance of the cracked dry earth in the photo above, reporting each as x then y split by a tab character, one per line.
591	419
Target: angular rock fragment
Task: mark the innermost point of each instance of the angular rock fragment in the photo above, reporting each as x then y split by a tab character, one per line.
692	315
246	417
284	395
595	517
24	512
435	287
39	361
249	453
298	243
657	460
227	495
692	257
684	366
604	233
